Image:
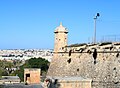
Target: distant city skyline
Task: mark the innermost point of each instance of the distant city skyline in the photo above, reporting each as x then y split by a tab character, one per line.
28	24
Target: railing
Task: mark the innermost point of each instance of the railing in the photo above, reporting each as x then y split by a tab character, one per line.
109	38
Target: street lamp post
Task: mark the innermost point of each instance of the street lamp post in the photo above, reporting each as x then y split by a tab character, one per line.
95	27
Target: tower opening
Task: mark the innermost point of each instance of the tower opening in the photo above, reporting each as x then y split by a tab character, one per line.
70	53
95	55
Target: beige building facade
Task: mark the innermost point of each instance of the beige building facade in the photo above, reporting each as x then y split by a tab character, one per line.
32	75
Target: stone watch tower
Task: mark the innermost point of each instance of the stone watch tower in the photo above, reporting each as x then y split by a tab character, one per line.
59	44
60	38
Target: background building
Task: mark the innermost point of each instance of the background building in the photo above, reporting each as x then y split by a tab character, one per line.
32	75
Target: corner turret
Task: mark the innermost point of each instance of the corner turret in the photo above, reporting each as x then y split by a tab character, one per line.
60	38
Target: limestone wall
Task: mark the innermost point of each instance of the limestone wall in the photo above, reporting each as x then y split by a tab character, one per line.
68	82
101	66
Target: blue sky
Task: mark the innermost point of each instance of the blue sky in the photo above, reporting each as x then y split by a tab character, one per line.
31	23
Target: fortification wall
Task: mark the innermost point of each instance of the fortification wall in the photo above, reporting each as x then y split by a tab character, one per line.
99	63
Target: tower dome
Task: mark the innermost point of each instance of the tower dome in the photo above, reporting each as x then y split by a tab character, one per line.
61	29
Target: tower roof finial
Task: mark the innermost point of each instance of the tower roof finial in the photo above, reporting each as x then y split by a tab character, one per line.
60	23
61	29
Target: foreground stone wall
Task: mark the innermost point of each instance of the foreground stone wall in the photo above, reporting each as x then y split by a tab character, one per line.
68	82
102	65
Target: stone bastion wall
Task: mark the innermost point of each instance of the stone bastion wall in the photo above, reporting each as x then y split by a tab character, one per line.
100	62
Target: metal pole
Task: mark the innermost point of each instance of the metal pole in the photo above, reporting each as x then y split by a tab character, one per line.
95	30
95	27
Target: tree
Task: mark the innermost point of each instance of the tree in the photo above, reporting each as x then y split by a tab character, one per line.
33	63
3	66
